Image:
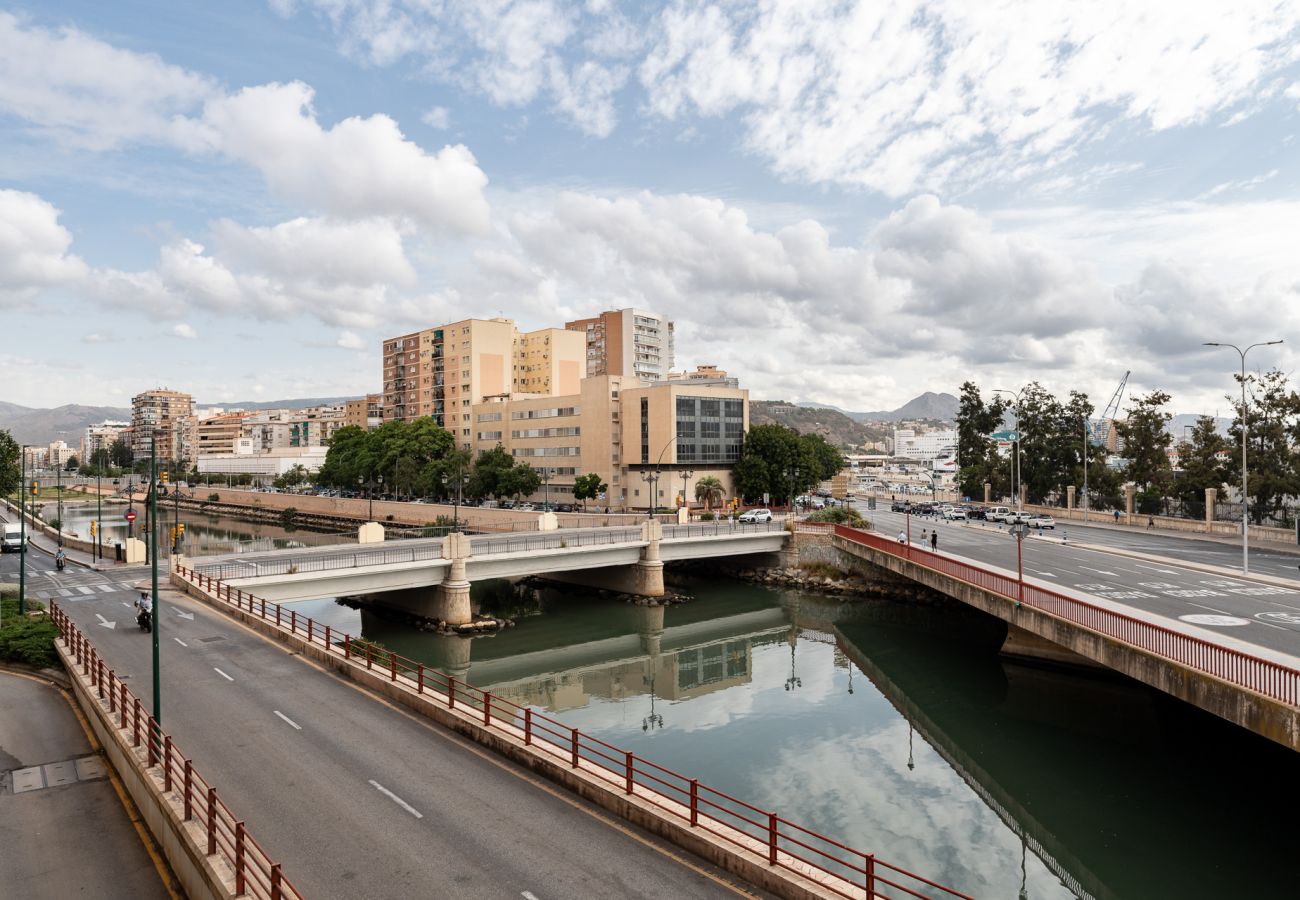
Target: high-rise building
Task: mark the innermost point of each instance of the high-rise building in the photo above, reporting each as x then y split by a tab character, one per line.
365	412
627	342
442	372
161	414
101	437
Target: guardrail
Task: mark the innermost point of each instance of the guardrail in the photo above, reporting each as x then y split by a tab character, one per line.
845	871
254	873
552	540
1273	680
719	528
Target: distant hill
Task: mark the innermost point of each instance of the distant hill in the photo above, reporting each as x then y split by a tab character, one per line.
938	407
277	404
832	424
63	423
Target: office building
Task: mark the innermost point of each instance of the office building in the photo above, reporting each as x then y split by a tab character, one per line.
626	342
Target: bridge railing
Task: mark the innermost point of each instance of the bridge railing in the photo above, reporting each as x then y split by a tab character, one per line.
843	870
322	562
719	528
254	873
550	540
1271	679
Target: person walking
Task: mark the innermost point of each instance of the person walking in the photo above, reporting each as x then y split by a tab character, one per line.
1117	517
902	537
934	540
1151	522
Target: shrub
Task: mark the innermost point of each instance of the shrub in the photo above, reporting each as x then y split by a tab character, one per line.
838	515
214	498
26	640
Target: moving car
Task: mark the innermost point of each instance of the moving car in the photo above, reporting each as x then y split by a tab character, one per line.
756	515
1018	518
997	513
1041	522
955	513
11	539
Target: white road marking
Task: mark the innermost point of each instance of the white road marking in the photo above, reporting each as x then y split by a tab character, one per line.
85	590
1099	571
127	605
1047	574
1154	569
222	674
396	799
291	722
185	615
528	895
108	588
179	641
104	622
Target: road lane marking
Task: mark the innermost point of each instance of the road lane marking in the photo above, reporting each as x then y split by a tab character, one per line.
184	615
222	674
1099	571
528	895
1155	569
179	641
291	722
84	589
108	588
104	622
1047	574
396	799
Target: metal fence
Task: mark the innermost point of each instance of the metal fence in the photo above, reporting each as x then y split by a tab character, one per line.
1273	680
843	870
254	873
323	562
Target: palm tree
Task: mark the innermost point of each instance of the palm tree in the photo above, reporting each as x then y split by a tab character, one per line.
709	491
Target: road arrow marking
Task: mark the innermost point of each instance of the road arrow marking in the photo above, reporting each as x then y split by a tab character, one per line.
1099	571
185	615
104	622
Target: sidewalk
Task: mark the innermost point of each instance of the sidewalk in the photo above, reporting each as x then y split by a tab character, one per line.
63	829
43	543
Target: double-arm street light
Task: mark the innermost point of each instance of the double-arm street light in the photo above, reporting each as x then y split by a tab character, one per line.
686	500
1245	498
652	479
1015	468
370	493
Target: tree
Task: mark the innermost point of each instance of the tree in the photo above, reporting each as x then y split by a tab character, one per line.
588	487
976	450
1271	429
780	462
519	481
1146	447
71	465
709	491
1202	466
406	475
489	468
120	454
296	475
10	463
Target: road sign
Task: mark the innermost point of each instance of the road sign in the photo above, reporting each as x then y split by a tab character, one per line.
130	515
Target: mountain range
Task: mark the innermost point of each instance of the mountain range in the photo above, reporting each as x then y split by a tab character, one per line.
66	423
932	406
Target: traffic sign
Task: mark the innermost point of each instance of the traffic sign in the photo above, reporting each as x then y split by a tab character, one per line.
130	515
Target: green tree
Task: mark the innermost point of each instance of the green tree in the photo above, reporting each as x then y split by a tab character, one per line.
120	454
71	465
1199	458
780	462
519	481
406	475
347	460
709	491
295	476
1271	432
10	463
485	477
1146	447
977	456
588	487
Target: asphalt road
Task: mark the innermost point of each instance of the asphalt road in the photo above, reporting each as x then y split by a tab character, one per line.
63	832
1263	613
354	796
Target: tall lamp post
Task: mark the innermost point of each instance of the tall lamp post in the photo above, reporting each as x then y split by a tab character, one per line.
58	490
22	533
652	478
1245	498
686	500
99	516
153	541
1016	486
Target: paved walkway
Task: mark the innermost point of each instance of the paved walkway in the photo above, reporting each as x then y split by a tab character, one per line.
63	830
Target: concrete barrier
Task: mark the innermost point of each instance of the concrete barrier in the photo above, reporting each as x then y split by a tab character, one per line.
182	843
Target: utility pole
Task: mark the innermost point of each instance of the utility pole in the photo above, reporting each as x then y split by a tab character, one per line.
22	534
157	611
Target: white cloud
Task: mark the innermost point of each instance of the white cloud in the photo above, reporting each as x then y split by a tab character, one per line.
99	96
33	247
437	117
184	331
349	341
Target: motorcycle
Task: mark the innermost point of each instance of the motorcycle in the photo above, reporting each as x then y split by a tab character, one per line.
145	620
59	563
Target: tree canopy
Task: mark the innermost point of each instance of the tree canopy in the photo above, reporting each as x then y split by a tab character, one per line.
407	455
780	462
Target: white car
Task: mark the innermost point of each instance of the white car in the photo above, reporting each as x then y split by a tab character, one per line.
1041	522
956	513
756	515
1019	518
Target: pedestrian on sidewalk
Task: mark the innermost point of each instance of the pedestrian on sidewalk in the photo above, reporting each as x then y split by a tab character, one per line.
1151	522
902	537
1117	517
934	540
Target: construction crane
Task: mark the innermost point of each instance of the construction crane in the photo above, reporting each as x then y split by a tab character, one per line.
1099	429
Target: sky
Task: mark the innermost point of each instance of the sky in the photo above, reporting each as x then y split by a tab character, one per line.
846	203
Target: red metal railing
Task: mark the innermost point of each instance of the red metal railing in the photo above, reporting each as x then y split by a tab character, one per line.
254	872
843	870
1273	680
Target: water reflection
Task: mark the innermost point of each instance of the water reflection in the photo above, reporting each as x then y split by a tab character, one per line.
898	728
205	533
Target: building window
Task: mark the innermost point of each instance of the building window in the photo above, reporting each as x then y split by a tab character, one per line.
685	428
686	407
710	429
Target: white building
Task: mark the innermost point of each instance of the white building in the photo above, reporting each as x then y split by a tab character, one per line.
926	446
250	459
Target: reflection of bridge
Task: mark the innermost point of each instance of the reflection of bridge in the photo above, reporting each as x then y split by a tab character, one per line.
432	576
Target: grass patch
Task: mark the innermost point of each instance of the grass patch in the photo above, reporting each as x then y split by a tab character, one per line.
25	639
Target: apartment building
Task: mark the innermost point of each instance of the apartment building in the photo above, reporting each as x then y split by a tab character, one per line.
627	342
101	436
442	372
217	434
924	446
624	431
160	415
365	413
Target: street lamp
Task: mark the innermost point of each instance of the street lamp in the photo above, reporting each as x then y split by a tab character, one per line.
1245	498
546	488
22	533
652	478
686	500
1019	530
1016	486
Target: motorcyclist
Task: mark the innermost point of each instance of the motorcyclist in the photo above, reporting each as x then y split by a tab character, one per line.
144	617
60	559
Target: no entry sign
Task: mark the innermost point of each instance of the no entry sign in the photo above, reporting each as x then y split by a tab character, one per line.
130	515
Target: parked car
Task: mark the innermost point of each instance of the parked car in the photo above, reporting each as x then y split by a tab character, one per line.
899	506
956	513
997	513
756	515
1041	522
1017	518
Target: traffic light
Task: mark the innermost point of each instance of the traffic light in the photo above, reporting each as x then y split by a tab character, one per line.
162	476
93	529
180	531
36	488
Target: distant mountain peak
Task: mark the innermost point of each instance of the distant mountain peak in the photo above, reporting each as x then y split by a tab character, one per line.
929	405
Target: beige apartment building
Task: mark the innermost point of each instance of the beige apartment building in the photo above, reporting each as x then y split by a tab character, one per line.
365	413
101	436
217	434
442	372
161	414
626	342
623	431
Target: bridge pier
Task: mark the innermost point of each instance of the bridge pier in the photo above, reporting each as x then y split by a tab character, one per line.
451	598
644	578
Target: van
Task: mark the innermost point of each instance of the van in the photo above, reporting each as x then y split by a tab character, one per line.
11	540
997	513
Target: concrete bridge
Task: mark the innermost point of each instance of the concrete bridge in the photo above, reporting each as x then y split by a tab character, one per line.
432	577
